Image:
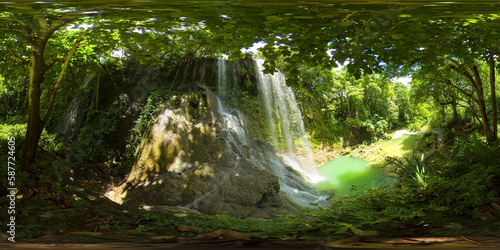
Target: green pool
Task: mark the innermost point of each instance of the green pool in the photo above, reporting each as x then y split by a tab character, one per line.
349	176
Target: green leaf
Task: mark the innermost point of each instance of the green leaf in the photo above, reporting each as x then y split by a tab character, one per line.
440	209
274	18
345	23
303	17
397	36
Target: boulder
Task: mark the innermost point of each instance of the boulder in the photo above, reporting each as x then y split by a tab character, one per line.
189	158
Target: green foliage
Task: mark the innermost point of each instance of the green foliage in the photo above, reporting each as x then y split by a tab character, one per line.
150	111
51	143
381	126
461	181
436	119
79	202
470	152
250	106
11	96
335	104
340	35
6	132
115	226
470	174
411	170
141	229
48	142
416	126
377	210
9	130
93	142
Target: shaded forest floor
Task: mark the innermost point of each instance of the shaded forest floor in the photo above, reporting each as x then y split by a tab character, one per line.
81	216
103	224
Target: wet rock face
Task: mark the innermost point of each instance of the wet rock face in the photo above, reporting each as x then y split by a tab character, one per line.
189	159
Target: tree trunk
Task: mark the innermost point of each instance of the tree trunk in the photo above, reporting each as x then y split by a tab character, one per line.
97	90
455	111
494	121
37	69
477	84
482	106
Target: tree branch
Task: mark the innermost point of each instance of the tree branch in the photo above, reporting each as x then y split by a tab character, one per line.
493	93
13	56
449	83
51	64
61	74
437	99
28	32
454	61
42	21
479	82
459	68
21	22
474	113
65	20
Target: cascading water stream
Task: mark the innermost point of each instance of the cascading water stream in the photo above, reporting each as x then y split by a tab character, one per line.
290	182
199	153
221	78
75	115
284	118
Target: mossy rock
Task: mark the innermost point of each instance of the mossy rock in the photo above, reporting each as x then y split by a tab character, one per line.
188	159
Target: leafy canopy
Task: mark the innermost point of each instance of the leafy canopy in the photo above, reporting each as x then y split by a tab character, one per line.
369	36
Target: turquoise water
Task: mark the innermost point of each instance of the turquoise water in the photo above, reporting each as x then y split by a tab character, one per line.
349	176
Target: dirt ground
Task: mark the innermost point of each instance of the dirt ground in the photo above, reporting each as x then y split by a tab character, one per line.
71	242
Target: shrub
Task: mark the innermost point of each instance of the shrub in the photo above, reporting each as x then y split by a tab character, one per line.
411	170
416	125
8	130
92	144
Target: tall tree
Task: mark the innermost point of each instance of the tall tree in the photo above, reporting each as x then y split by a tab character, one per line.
27	39
33	35
447	41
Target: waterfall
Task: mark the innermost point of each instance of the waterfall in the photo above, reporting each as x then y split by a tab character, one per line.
75	115
204	154
284	119
295	162
221	78
290	183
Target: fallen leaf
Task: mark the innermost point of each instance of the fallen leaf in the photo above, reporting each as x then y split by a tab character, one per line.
223	234
164	239
187	228
47	215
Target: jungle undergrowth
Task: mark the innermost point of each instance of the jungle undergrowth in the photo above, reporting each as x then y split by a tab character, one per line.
459	188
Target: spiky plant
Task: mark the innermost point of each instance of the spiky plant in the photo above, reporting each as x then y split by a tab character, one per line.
411	170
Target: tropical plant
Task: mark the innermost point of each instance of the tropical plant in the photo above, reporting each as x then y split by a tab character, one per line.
411	170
